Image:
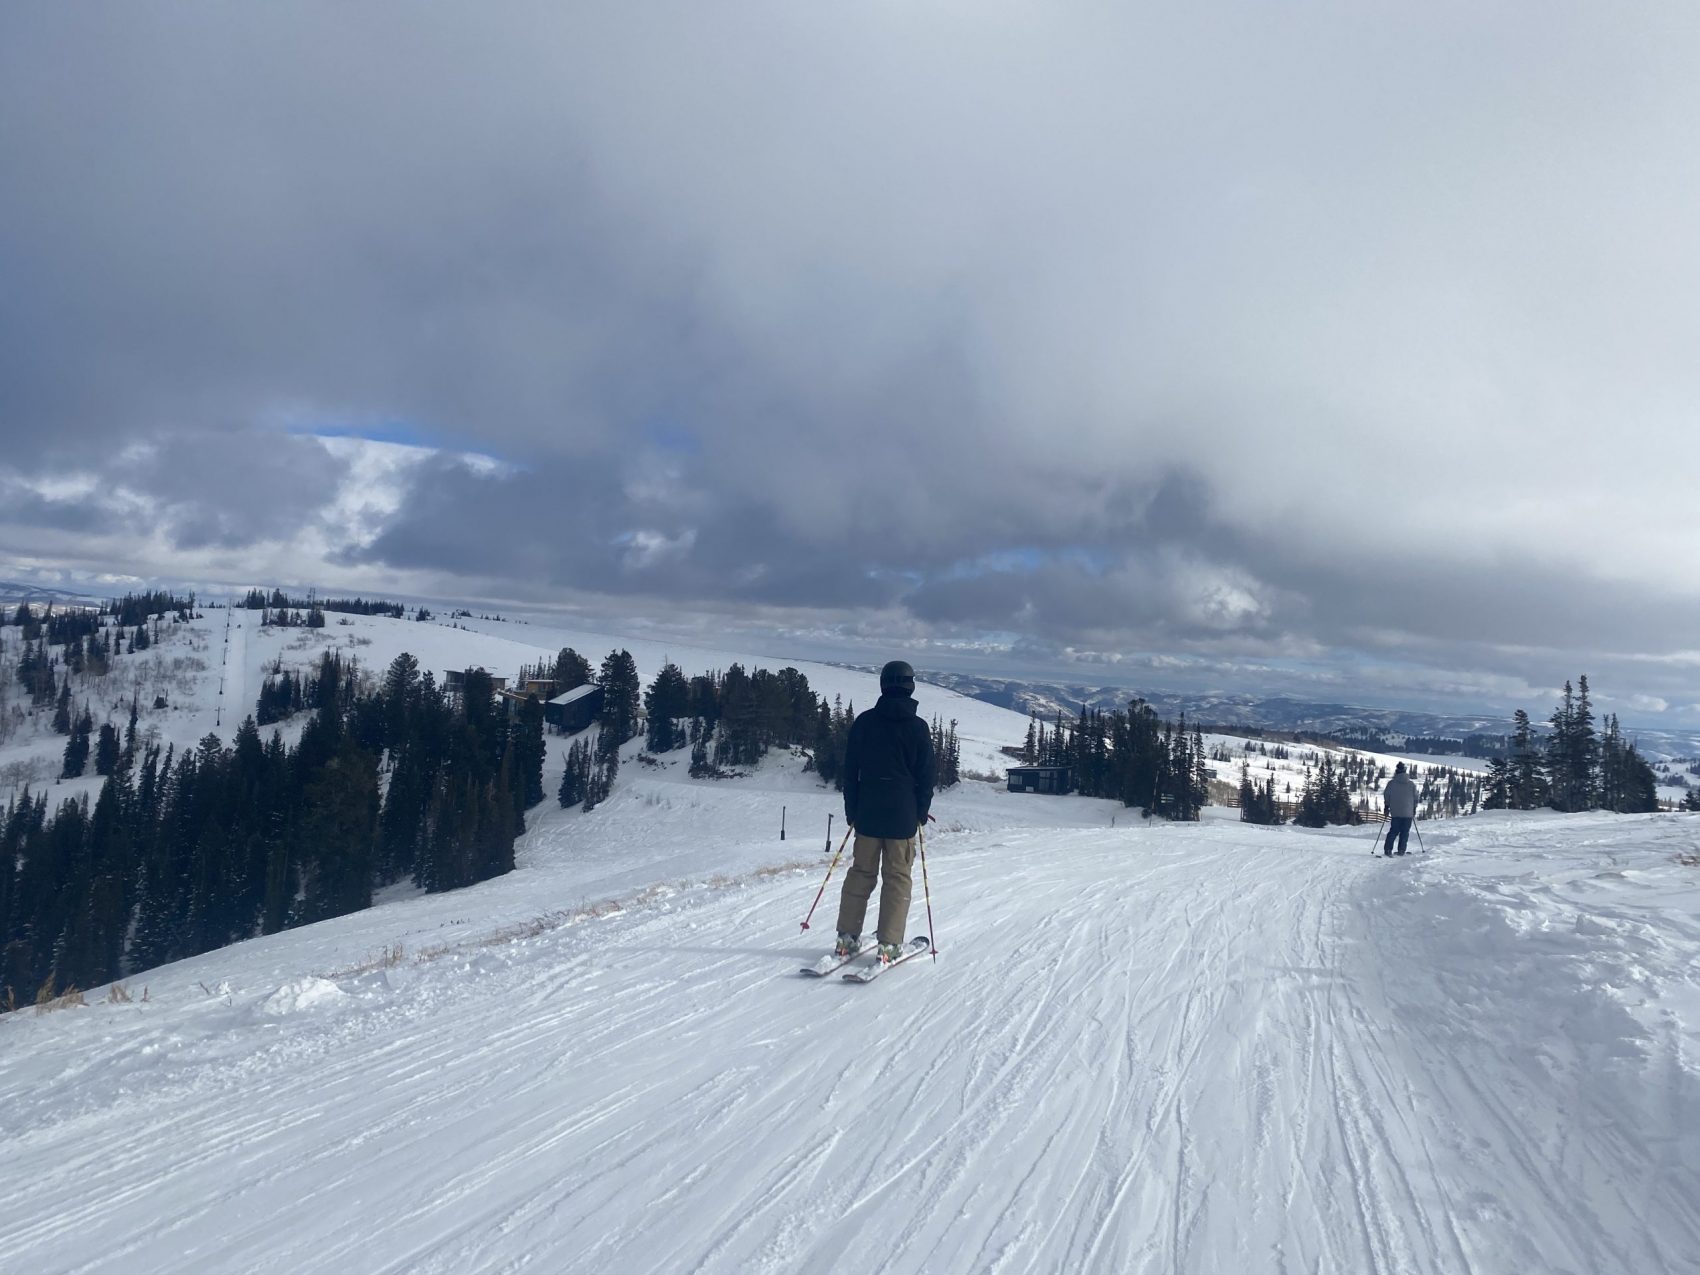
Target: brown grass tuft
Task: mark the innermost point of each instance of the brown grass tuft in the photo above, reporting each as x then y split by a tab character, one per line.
46	1002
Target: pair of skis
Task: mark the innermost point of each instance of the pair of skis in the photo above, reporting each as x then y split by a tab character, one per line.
866	973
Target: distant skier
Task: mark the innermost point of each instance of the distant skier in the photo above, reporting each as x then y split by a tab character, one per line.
888	788
1399	799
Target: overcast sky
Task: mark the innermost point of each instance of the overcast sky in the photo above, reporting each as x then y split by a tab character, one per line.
1341	348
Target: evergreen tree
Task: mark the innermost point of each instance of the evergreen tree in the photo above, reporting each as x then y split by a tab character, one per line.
107	752
701	767
739	741
77	747
400	696
824	756
1572	751
62	721
571	671
575	775
665	702
91	948
601	779
1527	787
1626	783
621	690
402	815
1497	794
529	752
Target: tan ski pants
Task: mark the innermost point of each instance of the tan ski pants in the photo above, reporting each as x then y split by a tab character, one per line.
876	857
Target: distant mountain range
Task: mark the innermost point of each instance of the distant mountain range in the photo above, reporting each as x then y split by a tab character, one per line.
1390	726
12	593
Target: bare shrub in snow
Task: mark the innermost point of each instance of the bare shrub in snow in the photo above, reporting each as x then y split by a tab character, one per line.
24	773
46	1001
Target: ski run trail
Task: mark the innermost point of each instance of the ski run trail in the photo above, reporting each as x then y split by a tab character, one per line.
1142	1048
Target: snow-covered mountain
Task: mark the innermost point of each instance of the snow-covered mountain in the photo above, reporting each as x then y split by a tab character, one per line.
1142	1047
1280	713
1273	713
12	593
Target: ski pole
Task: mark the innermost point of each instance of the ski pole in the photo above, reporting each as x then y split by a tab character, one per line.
1377	841
1419	833
927	890
829	870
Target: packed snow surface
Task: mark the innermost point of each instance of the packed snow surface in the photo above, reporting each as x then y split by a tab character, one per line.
1142	1048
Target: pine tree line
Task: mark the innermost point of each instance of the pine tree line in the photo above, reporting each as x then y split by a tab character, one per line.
88	648
1575	768
311	618
184	852
278	600
1327	795
1257	803
947	754
1129	755
728	720
38	670
138	608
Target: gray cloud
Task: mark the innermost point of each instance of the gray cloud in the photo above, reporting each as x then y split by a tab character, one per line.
1250	332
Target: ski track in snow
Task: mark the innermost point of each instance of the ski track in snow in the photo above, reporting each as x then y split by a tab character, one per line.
1156	1049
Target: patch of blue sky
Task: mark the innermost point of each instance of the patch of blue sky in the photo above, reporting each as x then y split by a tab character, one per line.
404	433
907	575
1089	558
1013	561
1026	559
670	435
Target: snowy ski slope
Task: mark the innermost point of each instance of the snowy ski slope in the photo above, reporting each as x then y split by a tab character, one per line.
1145	1048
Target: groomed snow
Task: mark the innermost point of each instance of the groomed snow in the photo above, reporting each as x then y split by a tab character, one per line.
1143	1048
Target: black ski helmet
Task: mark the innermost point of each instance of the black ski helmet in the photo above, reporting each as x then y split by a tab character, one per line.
897	676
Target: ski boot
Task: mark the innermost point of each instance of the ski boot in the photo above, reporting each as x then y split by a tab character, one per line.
890	952
847	945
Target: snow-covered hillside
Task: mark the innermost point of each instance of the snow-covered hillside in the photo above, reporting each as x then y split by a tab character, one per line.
209	672
1143	1047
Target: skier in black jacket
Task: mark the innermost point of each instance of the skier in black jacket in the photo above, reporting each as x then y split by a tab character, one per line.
888	788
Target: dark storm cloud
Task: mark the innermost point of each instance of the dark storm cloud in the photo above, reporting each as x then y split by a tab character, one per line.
591	527
195	491
235	488
24	507
1248	328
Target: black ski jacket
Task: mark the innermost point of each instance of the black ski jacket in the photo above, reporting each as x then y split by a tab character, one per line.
888	770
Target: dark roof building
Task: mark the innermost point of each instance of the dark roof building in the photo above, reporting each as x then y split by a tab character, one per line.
1056	780
574	710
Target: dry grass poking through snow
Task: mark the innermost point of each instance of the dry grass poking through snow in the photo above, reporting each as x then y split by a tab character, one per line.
395	954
